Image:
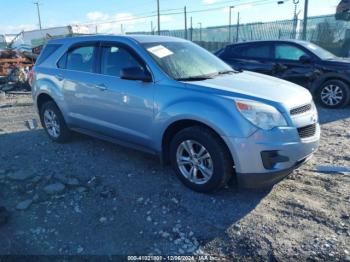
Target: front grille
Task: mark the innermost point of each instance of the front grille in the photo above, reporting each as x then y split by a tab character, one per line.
300	110
307	131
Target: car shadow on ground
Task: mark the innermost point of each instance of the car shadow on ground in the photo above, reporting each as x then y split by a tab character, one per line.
332	115
131	204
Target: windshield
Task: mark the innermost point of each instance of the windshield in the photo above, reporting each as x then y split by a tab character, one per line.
319	51
186	61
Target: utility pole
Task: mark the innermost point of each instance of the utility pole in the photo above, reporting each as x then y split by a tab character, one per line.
191	30
152	32
200	31
229	23
185	13
158	14
295	20
121	29
38	10
237	35
306	9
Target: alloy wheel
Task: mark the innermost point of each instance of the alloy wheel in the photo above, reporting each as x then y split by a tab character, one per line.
51	123
194	162
332	95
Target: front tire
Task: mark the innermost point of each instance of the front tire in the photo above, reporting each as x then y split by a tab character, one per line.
334	94
200	159
53	122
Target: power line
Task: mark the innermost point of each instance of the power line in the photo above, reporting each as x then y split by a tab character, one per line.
164	12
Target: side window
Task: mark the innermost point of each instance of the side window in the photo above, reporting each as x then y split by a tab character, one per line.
256	51
47	52
288	52
114	59
80	59
233	51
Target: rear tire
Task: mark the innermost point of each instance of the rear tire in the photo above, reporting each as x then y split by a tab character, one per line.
333	94
200	159
53	122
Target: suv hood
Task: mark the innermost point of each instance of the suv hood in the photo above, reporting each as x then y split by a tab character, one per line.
340	61
259	86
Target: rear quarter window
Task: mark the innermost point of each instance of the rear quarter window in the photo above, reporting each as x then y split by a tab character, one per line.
46	53
231	52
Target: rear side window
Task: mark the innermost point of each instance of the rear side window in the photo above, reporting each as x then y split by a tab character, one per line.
81	58
46	52
249	51
256	51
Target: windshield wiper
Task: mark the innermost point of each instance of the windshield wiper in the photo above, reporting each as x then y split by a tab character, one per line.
227	72
208	76
194	78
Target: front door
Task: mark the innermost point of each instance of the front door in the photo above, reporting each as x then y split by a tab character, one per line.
122	108
290	67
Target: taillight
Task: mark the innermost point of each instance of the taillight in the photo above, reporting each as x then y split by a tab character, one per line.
31	77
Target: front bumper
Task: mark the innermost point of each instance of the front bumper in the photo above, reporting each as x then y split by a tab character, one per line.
261	180
252	171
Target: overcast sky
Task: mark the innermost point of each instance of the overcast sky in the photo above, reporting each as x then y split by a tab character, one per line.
20	15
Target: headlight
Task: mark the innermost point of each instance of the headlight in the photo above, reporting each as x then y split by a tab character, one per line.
259	114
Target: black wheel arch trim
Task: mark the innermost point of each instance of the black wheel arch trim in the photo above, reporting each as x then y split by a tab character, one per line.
327	77
51	99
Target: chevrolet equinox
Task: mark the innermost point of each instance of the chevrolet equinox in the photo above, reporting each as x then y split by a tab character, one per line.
170	97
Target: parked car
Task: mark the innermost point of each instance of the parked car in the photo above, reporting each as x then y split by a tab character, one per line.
306	64
343	10
172	98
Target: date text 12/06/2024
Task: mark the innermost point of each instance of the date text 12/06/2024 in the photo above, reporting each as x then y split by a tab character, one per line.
174	258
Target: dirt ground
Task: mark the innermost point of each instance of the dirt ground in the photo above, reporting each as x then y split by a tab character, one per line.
91	197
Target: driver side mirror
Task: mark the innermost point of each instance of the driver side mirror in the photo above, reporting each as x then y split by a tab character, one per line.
305	59
135	73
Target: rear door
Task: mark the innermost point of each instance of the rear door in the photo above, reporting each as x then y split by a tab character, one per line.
77	74
256	57
289	65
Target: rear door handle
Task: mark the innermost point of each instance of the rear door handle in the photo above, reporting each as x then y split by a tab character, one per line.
102	87
59	77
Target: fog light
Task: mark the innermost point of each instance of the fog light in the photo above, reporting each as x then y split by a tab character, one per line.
271	158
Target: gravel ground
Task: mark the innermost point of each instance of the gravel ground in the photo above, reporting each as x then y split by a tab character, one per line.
91	197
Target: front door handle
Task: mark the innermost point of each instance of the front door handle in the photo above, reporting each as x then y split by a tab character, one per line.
102	87
280	67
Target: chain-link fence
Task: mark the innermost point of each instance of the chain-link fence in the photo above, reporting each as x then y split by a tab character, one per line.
325	31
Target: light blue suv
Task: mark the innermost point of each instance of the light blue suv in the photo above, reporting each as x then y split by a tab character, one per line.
170	97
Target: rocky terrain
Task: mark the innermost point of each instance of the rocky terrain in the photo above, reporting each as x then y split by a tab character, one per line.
91	197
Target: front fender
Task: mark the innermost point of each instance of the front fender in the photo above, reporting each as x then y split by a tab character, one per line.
222	117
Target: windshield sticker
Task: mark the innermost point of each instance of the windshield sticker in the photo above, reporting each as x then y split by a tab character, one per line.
160	51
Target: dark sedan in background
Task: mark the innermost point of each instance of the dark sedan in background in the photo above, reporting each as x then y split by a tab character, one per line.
304	63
